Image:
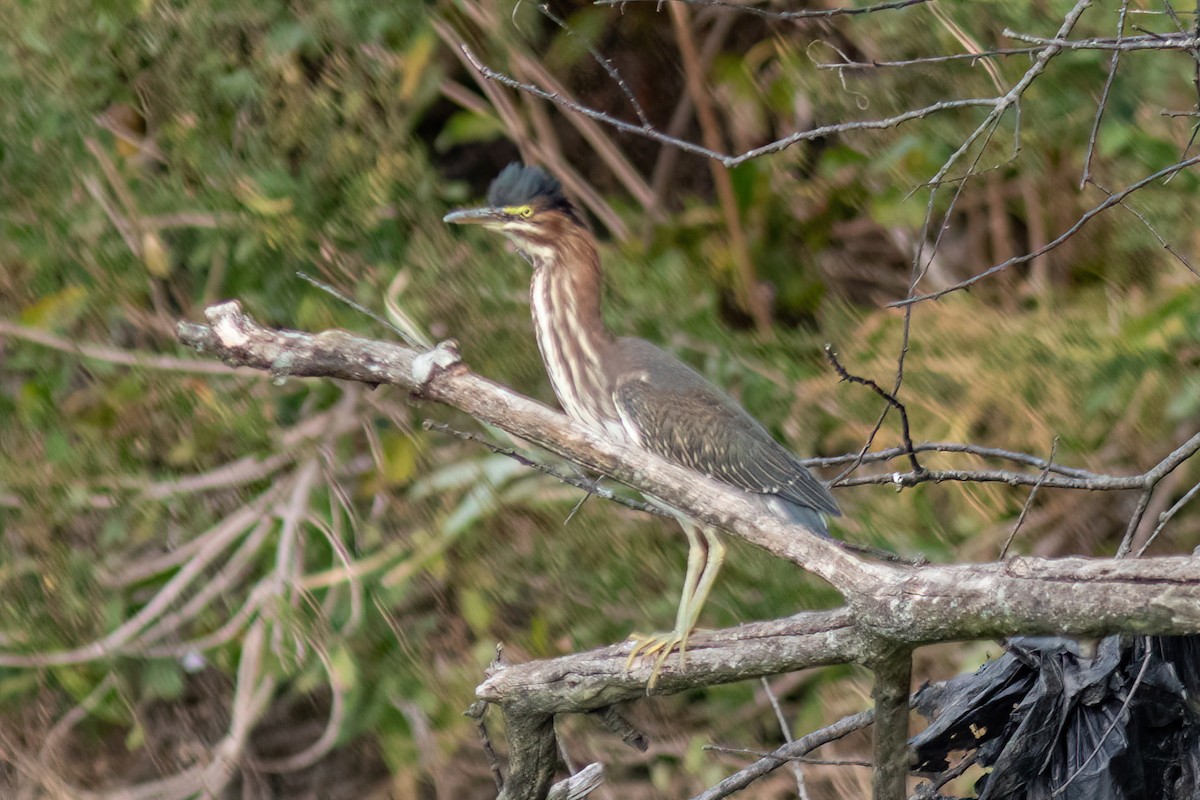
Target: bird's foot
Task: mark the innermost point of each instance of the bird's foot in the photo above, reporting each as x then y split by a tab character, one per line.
658	646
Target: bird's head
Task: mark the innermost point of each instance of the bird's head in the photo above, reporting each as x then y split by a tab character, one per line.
527	205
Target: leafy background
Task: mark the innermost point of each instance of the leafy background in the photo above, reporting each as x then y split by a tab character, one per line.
156	157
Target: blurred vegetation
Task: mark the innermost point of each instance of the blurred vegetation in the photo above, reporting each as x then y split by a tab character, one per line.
158	156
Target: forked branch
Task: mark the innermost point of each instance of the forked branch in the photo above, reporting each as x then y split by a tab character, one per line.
890	608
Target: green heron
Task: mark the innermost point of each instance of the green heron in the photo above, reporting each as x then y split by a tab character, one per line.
636	393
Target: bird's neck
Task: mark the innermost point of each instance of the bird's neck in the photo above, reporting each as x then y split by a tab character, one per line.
575	343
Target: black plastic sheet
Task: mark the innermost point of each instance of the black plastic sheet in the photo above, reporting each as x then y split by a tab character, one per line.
1052	721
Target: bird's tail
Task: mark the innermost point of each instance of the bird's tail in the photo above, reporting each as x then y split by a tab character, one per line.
803	515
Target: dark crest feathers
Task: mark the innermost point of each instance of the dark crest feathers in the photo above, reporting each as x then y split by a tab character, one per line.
518	185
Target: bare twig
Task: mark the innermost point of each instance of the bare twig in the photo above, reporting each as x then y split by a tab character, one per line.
785	729
955	447
1166	516
1108	82
1182	259
1121	44
833	762
116	355
590	487
1007	101
1111	201
926	60
805	744
360	308
605	64
824	13
1029	500
1150	481
690	147
891	400
1117	718
930	790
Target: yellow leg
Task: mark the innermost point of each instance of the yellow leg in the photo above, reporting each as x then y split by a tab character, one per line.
696	561
648	645
704	562
716	557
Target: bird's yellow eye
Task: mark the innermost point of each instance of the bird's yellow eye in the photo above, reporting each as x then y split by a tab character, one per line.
520	211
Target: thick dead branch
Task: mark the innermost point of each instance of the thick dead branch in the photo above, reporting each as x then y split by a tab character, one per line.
904	604
237	339
890	608
596	679
893	677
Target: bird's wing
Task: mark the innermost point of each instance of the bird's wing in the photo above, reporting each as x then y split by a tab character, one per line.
674	412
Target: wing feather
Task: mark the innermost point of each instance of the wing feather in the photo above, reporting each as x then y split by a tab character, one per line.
673	411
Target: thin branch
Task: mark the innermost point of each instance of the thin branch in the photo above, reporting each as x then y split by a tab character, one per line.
1029	500
888	397
891	453
1135	521
1087	217
1120	44
1003	103
1150	481
930	790
359	307
1182	259
747	751
805	744
1166	516
579	482
925	60
116	355
690	147
781	15
605	64
1108	82
1106	483
1137	682
785	729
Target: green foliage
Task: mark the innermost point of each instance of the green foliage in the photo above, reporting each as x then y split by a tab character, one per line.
313	136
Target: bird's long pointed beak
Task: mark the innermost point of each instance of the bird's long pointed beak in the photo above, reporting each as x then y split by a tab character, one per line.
472	216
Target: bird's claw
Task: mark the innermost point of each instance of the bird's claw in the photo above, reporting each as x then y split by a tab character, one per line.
658	646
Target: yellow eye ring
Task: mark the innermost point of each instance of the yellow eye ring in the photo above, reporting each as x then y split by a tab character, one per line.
526	212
